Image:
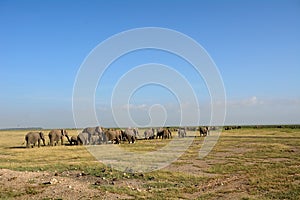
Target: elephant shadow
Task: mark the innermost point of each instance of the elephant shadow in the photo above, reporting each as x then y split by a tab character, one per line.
16	147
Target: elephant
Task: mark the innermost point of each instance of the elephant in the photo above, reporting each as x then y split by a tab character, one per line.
82	138
163	133
159	133
93	130
56	135
72	140
136	132
32	137
95	139
130	135
203	131
181	132
119	135
95	134
113	136
149	134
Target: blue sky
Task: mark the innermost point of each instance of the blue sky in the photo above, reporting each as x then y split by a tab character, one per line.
254	44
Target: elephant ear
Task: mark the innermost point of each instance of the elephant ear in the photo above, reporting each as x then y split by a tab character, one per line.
62	131
41	134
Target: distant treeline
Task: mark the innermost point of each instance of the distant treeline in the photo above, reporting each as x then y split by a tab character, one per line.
262	126
27	128
229	127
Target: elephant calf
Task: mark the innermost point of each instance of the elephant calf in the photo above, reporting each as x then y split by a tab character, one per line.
203	131
72	140
32	137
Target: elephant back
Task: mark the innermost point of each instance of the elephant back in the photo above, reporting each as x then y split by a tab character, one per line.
93	130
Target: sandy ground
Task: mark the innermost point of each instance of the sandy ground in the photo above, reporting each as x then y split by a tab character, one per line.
46	185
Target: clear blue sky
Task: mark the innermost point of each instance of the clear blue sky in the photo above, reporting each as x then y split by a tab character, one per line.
255	45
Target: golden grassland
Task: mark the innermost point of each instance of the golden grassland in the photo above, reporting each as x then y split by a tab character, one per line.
244	164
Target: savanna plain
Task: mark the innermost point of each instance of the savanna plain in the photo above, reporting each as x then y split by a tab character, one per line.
246	163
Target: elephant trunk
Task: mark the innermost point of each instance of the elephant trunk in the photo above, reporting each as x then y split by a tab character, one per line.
68	138
43	139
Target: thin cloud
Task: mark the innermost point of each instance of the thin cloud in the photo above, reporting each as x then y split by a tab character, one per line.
245	102
135	107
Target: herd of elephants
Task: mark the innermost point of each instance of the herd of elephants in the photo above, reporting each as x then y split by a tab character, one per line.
99	135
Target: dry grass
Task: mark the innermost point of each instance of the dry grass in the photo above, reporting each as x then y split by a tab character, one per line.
245	164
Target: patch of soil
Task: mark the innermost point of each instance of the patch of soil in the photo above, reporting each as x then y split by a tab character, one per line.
43	185
197	167
226	187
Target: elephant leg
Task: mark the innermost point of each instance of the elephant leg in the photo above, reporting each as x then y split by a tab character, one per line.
27	144
39	142
105	138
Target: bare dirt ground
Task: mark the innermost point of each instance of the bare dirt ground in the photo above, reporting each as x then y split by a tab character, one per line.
47	185
77	185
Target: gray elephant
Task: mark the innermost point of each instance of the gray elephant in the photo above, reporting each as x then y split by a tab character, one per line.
95	139
181	132
130	135
56	135
95	134
149	134
32	137
83	138
136	132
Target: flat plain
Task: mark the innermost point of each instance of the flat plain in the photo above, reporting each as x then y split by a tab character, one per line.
247	163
